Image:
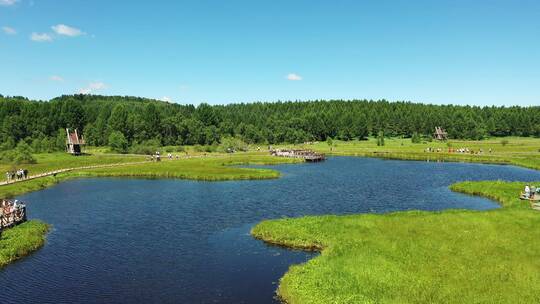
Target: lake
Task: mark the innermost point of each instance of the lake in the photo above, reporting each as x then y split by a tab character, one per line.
176	241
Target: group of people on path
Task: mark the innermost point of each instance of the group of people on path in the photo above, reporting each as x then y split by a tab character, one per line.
16	175
459	150
157	156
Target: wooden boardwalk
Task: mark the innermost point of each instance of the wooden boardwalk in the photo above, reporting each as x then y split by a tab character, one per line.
307	155
52	173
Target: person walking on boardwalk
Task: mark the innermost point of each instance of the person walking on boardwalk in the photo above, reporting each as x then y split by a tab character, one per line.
25	173
527	191
8	176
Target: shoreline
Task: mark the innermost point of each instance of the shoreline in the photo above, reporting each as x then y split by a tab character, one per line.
311	232
22	240
284	290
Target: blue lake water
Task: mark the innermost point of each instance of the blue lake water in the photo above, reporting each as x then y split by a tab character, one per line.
176	241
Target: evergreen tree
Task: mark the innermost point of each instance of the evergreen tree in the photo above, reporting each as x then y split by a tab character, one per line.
118	142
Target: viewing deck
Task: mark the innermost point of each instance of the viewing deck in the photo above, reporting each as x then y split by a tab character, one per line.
11	213
307	155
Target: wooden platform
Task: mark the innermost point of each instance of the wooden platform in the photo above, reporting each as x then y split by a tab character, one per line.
11	213
307	155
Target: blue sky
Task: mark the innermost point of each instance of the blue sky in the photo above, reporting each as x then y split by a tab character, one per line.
462	52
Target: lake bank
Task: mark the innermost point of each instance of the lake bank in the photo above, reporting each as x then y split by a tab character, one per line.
224	169
518	151
216	168
416	256
21	240
211	168
201	228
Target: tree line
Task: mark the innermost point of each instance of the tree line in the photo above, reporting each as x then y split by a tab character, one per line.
133	121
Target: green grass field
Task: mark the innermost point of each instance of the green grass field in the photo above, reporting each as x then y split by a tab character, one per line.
214	167
453	256
520	151
21	240
47	162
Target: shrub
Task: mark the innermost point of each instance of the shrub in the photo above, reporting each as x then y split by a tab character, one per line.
147	147
380	138
504	142
8	144
329	141
22	154
229	144
416	138
118	142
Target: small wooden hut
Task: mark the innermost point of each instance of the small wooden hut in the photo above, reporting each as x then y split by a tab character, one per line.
440	134
74	142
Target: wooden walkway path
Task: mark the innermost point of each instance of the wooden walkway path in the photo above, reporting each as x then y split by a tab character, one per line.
51	173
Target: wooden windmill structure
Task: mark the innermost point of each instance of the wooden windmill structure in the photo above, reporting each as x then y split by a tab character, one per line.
440	134
74	142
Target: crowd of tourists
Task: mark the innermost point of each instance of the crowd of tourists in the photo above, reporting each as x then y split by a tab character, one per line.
157	156
8	206
531	192
16	175
11	213
464	150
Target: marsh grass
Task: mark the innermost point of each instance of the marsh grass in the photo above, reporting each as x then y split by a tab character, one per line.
47	162
214	167
452	256
21	240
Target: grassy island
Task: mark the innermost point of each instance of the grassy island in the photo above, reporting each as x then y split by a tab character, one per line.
21	240
453	256
212	167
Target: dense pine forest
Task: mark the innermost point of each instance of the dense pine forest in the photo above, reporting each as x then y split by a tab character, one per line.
133	121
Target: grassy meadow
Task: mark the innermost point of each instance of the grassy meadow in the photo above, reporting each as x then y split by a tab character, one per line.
213	167
453	256
21	240
47	162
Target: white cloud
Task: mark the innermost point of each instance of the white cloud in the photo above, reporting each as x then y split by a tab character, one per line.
43	37
92	87
97	85
56	78
84	91
9	30
166	99
8	2
62	29
294	77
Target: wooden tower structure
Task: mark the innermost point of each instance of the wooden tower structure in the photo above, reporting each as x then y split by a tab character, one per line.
440	134
74	142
